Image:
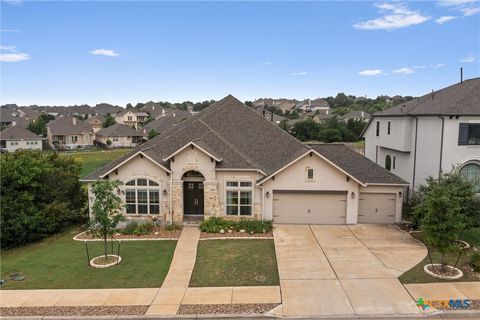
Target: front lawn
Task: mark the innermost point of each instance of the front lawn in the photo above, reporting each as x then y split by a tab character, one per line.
93	160
59	262
223	263
417	275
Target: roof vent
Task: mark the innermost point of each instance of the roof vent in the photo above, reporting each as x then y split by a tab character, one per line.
433	94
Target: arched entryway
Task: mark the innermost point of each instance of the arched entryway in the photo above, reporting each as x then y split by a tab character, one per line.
193	196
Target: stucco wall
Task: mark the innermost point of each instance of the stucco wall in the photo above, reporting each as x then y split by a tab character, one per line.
123	142
327	177
13	145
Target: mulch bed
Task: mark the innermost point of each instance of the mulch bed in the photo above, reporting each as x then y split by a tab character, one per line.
406	226
253	308
102	261
73	311
235	234
448	272
469	269
440	306
162	234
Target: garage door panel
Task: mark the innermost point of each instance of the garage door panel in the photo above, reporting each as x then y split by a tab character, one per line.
309	207
377	208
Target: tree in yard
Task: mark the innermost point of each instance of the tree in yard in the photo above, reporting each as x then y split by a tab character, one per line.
284	125
152	134
448	206
109	142
294	114
330	135
38	126
109	120
106	210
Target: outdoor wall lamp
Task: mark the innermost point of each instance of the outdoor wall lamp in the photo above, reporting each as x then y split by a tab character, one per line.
164	192
400	194
267	195
352	195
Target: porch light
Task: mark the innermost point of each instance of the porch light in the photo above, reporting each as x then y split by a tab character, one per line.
400	194
267	195
352	195
164	192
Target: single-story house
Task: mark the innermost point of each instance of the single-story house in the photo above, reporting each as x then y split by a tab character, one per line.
17	137
69	133
119	135
229	161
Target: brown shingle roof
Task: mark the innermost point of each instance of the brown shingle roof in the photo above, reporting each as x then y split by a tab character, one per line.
118	130
18	132
64	126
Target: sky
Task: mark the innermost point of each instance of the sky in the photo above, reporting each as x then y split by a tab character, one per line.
72	52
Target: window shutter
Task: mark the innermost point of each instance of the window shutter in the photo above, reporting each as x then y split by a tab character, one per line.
463	134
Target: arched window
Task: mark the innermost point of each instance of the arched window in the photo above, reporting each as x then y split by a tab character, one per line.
142	196
471	171
388	162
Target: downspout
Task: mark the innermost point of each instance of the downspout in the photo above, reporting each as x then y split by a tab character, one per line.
441	147
263	200
415	154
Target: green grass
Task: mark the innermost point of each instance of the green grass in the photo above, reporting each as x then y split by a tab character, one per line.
222	263
417	275
94	160
61	263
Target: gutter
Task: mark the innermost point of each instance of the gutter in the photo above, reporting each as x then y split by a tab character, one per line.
170	200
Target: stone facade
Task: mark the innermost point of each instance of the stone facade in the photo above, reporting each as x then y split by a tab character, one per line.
211	199
177	201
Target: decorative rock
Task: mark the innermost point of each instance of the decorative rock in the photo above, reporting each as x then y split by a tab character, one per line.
464	245
242	230
156	233
222	231
229	230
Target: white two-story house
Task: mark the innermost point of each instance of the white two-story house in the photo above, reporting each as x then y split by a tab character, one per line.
429	135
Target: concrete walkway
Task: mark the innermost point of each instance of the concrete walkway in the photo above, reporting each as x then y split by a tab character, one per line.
170	296
444	290
344	270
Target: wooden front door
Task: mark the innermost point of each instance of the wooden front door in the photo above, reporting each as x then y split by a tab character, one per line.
193	198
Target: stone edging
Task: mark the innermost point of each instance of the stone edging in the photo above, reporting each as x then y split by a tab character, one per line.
438	276
144	239
467	245
103	266
236	238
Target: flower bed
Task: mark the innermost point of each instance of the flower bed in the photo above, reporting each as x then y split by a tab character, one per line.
216	227
449	272
154	234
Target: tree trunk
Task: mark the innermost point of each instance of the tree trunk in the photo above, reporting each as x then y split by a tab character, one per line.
106	246
442	263
430	257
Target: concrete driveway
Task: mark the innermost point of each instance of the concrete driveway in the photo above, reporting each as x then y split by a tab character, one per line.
345	270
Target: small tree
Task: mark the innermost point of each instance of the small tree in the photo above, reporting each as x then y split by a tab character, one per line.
109	142
109	121
152	134
106	210
443	212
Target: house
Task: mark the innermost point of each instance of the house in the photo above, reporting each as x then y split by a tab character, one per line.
357	115
319	106
6	117
270	116
16	137
322	117
282	103
156	111
428	135
69	133
96	122
119	135
132	118
229	161
160	125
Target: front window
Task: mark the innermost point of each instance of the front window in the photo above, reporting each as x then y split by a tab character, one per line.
309	174
469	134
239	198
388	127
377	133
142	197
471	172
388	162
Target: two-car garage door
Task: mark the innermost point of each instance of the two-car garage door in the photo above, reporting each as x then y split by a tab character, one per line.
377	208
309	207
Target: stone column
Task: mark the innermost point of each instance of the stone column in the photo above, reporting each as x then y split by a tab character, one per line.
177	201
211	199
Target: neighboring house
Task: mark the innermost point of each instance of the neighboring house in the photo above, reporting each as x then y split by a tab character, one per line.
132	118
156	111
69	133
429	135
17	137
6	117
119	135
106	108
96	122
270	116
283	104
229	162
160	125
322	117
319	106
357	115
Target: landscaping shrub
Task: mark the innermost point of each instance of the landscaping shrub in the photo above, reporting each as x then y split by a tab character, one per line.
172	226
215	224
129	228
475	261
40	195
136	228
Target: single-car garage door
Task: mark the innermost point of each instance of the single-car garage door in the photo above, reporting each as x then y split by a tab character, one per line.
308	207
376	208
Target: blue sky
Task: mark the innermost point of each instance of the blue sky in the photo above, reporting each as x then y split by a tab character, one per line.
118	52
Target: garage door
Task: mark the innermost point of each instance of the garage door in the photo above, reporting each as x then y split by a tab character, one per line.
376	208
304	207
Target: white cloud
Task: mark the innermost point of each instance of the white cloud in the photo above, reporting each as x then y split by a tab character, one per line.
470	11
105	52
370	72
303	73
266	63
398	16
444	19
8	48
14	57
404	70
9	30
14	2
438	65
453	3
469	58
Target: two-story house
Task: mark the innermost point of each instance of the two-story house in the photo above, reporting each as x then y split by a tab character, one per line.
429	135
131	118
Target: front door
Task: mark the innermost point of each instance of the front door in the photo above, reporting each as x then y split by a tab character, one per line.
193	198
